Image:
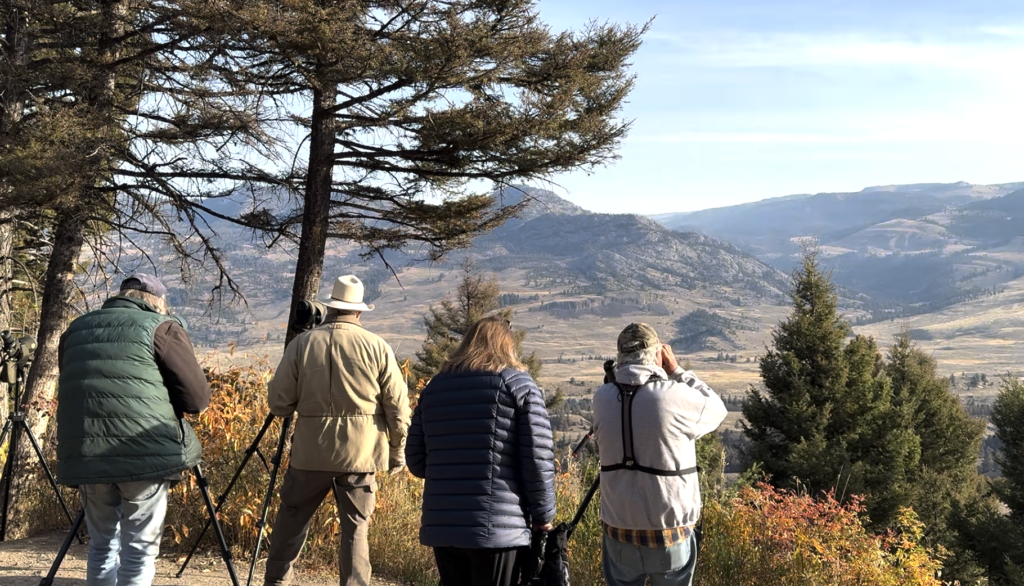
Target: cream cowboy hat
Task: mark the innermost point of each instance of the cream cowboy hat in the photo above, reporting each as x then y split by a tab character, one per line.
347	294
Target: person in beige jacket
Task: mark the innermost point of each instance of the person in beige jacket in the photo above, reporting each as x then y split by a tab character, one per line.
351	408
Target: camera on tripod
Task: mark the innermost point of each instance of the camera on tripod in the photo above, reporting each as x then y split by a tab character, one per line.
16	353
309	315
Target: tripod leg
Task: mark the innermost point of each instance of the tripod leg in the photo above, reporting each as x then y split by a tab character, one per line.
262	523
49	475
225	551
5	470
8	479
7	429
72	534
252	449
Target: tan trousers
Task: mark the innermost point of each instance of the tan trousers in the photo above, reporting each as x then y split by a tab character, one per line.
301	495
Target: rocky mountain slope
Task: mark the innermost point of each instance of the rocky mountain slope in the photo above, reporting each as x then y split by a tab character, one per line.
609	252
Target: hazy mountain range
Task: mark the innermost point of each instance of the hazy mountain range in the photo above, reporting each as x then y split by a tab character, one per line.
907	248
710	281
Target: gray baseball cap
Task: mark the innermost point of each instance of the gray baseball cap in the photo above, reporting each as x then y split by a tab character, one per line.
145	283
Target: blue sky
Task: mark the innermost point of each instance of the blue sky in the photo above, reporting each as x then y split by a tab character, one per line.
738	101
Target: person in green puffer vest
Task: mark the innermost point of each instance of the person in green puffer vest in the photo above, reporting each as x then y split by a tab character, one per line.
128	374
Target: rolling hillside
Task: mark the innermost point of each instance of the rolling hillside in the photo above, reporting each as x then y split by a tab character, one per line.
910	249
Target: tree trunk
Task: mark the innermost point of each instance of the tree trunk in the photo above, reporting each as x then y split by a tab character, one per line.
55	315
309	267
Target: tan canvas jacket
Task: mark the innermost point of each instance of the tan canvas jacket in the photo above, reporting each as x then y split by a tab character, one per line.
351	403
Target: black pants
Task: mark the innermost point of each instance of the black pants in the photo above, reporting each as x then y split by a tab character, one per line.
475	567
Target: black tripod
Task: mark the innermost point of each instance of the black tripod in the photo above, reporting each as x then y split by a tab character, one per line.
254	448
14	374
204	488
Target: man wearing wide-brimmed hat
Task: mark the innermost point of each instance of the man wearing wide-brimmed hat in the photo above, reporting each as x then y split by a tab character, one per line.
351	407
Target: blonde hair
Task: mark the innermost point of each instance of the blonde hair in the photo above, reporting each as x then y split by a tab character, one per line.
488	346
158	303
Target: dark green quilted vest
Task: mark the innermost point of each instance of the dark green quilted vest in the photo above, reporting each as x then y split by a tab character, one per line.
115	422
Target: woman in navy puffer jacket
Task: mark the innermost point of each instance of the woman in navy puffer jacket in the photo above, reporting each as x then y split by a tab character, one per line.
482	440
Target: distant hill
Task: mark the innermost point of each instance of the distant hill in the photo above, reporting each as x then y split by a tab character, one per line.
909	248
608	252
707	330
541	202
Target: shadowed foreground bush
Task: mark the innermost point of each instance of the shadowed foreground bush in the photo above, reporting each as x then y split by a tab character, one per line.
763	537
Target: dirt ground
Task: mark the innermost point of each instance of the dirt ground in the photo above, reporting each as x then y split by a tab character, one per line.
24	562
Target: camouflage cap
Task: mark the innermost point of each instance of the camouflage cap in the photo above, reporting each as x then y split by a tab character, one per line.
637	337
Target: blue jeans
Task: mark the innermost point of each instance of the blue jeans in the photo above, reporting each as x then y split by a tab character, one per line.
126	522
630	565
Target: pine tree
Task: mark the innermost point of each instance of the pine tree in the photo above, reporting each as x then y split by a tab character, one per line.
476	296
946	480
997	538
408	107
103	105
824	420
802	374
1008	418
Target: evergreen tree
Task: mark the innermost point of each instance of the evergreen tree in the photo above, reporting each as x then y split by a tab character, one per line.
1008	418
824	420
476	296
408	106
996	537
102	104
946	481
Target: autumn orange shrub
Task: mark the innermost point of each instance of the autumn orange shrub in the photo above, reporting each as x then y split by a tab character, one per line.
769	537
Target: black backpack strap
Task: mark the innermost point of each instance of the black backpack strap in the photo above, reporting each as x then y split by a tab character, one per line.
646	470
626	395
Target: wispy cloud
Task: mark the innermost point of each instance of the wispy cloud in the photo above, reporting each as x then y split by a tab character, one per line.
991	125
970	96
989	48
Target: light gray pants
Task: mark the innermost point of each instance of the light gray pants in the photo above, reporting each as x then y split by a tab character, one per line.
125	522
301	495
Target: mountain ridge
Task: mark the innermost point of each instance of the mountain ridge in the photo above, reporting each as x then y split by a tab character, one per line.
917	247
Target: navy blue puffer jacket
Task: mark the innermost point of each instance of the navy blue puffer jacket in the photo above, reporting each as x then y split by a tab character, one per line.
482	441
